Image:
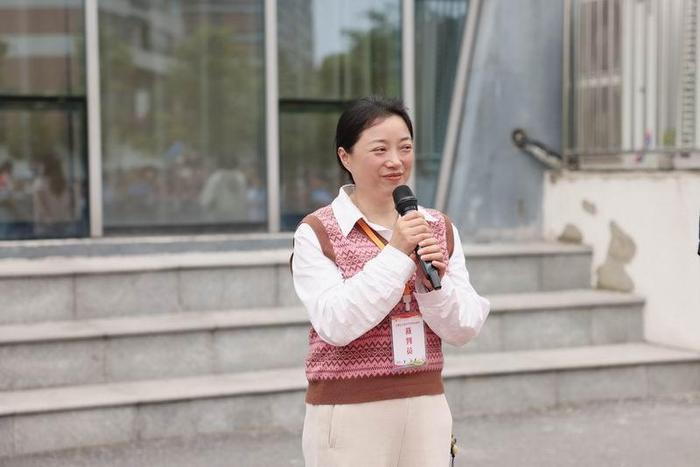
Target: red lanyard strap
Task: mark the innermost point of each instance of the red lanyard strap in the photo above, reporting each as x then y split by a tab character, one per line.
374	236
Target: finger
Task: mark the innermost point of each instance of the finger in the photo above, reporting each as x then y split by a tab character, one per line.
432	257
428	249
430	254
411	215
419	229
428	241
441	267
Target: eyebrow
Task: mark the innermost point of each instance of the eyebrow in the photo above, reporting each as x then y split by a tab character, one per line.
380	140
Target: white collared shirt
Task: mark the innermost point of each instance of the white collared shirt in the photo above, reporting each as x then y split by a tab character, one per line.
341	310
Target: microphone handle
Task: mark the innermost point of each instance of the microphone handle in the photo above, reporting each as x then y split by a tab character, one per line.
430	272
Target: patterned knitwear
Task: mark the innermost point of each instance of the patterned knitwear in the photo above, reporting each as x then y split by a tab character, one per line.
364	370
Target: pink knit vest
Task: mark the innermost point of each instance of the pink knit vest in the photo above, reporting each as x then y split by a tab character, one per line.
351	373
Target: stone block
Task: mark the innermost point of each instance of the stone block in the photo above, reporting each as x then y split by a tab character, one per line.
250	349
171	419
6	437
617	325
546	329
38	365
601	384
561	272
164	356
36	299
75	429
286	295
286	411
673	378
260	413
107	295
228	288
501	394
506	274
236	414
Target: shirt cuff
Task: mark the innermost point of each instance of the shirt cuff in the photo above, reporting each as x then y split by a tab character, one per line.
397	262
434	299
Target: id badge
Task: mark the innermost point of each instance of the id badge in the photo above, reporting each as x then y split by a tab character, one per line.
408	339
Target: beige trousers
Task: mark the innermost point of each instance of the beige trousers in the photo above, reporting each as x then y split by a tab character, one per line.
410	432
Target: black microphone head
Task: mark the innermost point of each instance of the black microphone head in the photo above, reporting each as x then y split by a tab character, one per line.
404	200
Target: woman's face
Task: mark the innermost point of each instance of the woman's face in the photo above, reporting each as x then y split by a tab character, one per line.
382	157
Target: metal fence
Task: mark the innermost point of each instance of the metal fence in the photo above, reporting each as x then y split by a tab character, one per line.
631	97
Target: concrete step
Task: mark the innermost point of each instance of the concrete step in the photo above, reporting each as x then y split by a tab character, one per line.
49	354
47	420
93	287
144	245
660	431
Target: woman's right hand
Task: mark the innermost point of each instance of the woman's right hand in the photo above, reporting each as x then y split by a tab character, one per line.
409	229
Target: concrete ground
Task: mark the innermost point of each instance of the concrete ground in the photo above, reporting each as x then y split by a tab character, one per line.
659	432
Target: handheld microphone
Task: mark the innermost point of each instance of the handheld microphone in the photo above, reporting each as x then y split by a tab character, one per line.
405	201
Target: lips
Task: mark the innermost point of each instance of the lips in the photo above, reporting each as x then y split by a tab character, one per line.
396	176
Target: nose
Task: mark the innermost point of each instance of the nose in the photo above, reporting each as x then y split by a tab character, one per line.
393	159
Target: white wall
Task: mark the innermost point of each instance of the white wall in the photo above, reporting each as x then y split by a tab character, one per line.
659	211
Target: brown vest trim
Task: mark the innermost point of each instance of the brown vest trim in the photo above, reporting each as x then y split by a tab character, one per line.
320	231
375	388
450	235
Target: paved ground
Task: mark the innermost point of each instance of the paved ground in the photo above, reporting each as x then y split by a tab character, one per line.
659	433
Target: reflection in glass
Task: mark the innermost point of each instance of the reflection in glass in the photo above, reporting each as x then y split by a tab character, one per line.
183	114
41	48
311	174
330	52
43	185
439	27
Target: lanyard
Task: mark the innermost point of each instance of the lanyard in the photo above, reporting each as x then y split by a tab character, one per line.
381	243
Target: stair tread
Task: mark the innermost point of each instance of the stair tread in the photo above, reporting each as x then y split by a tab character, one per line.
68	265
229	319
292	379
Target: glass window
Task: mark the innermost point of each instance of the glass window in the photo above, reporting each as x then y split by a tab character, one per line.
43	158
183	114
42	48
439	26
330	52
43	184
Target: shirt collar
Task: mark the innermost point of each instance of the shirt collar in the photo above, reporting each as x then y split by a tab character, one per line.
347	214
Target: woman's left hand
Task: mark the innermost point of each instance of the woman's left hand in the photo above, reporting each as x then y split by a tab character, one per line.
429	251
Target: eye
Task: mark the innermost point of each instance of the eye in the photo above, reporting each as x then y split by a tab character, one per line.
380	149
406	147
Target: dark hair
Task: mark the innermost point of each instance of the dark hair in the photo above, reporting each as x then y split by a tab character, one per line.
362	114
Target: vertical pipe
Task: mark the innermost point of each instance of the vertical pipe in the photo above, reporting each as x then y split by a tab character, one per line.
567	89
610	126
598	76
459	95
272	117
696	144
94	123
577	51
408	66
586	47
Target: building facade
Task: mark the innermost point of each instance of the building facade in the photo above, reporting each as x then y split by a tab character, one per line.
129	117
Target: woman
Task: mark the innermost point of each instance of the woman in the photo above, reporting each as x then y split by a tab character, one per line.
375	394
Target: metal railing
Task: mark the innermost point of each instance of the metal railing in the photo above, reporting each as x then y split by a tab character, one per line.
631	97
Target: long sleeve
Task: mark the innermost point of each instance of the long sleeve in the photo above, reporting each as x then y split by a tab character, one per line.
341	310
456	312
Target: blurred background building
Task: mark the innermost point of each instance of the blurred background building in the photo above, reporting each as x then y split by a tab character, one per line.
178	114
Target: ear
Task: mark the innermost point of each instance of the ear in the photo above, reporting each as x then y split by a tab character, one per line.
344	157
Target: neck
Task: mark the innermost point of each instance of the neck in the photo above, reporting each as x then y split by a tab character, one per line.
378	210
